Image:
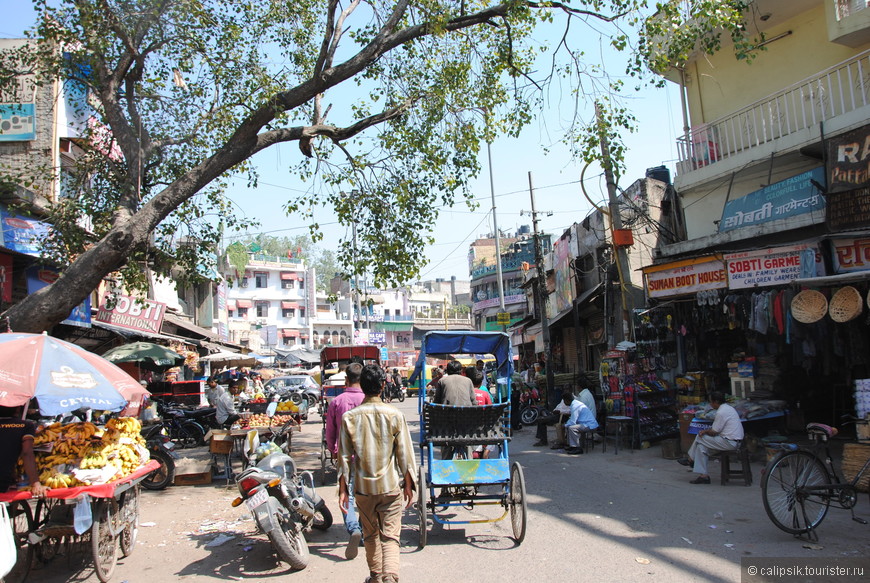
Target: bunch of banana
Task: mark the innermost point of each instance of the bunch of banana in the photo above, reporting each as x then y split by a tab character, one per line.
70	449
47	434
54	479
129	460
129	426
93	460
79	431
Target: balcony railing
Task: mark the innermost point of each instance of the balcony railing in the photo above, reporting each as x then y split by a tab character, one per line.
836	91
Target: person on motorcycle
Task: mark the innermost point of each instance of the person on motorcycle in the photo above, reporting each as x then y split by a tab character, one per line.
376	443
349	399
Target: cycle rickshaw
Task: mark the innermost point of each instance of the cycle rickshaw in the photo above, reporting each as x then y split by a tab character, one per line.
489	481
331	388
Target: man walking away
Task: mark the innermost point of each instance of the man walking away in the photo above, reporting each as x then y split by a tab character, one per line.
375	441
349	399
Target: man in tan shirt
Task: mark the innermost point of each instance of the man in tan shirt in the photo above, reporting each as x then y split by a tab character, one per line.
375	439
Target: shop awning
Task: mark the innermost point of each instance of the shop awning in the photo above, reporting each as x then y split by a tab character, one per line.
188	327
289	333
556	319
590	294
244	303
834	279
289	306
231	304
286	275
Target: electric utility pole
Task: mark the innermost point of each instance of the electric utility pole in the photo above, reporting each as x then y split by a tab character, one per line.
497	238
541	297
615	225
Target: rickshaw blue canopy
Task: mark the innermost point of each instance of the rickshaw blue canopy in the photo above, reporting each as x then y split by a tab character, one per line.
496	343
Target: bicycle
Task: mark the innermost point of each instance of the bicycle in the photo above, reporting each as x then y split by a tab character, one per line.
797	487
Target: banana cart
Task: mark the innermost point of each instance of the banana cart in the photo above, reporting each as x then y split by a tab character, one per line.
491	479
41	526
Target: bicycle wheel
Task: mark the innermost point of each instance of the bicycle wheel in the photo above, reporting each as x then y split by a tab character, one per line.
788	503
48	548
22	525
517	501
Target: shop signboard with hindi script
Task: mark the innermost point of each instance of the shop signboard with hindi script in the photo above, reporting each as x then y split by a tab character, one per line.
685	277
774	266
787	198
850	255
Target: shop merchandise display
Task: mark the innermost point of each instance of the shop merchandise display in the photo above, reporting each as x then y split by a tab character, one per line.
263	420
747	409
83	454
862	398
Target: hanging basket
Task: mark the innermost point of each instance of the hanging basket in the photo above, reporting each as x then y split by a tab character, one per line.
846	304
809	306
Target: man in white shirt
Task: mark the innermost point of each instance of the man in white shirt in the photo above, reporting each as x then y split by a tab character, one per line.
725	435
558	417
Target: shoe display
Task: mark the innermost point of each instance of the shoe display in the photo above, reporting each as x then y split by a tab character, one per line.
352	549
539	443
684	461
700	480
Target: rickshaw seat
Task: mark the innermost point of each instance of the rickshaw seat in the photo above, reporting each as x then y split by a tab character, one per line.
449	425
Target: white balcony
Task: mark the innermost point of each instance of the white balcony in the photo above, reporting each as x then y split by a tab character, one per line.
835	92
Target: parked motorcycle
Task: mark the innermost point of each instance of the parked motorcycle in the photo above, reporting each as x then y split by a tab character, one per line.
184	431
282	500
161	449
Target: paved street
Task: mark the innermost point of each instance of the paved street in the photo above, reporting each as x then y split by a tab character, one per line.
593	517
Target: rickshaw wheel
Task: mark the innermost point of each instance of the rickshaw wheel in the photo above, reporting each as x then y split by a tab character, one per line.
48	548
518	502
422	502
22	525
323	457
130	511
104	546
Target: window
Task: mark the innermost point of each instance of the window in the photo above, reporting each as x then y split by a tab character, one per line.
301	284
262	309
231	312
288	313
398	312
288	284
244	282
301	312
243	313
262	279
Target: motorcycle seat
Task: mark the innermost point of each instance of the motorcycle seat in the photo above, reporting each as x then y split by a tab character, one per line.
197	413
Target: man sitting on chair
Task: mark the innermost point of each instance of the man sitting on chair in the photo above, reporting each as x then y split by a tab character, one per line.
582	420
725	435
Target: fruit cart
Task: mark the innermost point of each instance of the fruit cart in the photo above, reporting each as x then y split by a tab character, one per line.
40	526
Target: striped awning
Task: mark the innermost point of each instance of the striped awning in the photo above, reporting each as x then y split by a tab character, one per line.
244	303
289	306
289	333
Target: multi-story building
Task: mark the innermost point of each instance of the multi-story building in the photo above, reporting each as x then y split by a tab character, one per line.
274	304
773	183
517	256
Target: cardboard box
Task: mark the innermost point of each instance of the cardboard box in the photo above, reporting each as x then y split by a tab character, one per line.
194	474
221	443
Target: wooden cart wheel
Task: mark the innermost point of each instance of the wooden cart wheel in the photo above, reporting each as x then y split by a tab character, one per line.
48	548
22	525
104	545
130	515
518	502
422	506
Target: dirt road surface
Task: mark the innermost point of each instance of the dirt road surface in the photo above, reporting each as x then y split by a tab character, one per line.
632	516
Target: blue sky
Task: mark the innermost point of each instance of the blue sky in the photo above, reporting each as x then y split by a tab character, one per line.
558	197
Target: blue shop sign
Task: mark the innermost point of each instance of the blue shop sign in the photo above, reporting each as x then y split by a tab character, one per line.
39	276
788	198
22	234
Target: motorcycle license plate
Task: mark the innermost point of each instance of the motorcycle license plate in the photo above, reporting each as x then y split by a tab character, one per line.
257	499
